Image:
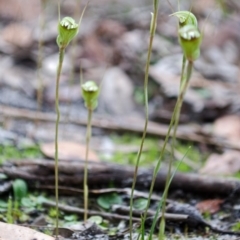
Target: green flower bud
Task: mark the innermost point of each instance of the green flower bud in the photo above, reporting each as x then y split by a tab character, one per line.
67	30
90	92
190	39
186	18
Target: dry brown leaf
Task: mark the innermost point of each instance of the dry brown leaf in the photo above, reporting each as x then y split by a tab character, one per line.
222	164
20	9
95	50
68	151
14	232
203	5
209	206
17	35
110	29
228	127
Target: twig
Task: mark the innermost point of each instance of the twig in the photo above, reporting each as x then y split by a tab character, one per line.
108	123
106	215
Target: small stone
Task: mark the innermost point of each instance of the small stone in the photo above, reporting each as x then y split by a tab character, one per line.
116	94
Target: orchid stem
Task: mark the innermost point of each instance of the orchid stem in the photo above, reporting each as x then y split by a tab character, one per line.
88	136
59	69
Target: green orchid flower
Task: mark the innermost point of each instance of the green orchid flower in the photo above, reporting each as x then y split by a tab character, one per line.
67	30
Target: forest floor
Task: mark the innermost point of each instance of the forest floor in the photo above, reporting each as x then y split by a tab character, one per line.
111	49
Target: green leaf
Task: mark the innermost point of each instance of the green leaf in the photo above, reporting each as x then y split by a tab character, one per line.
107	200
28	202
96	219
19	189
71	218
3	204
140	203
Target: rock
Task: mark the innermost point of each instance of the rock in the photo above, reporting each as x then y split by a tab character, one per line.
225	72
50	64
116	94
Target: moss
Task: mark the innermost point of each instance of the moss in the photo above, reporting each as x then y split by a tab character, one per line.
12	152
151	152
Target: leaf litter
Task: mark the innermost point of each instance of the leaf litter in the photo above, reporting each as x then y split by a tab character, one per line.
119	40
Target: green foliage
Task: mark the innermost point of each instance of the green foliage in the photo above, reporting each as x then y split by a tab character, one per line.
53	213
237	175
19	211
236	226
13	152
3	206
96	219
193	154
107	200
149	154
140	203
10	210
19	189
70	218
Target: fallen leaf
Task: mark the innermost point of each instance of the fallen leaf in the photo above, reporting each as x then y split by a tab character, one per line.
20	9
209	206
110	29
227	163
14	232
95	50
23	33
204	5
228	127
68	151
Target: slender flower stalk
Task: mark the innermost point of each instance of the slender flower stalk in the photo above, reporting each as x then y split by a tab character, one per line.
152	34
61	56
90	92
190	40
67	30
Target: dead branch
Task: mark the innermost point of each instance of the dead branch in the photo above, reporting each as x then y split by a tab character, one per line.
123	124
41	173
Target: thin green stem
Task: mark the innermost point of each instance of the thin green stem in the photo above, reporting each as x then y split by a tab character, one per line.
85	182
157	167
10	210
59	69
184	84
161	201
169	178
152	34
